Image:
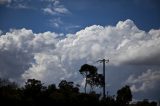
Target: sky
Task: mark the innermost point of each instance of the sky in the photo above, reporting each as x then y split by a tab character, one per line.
49	40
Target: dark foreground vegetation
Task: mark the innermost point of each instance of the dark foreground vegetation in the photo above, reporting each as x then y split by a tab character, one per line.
34	93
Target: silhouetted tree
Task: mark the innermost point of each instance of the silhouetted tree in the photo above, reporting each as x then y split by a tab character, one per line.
124	96
51	88
32	92
68	86
34	85
108	101
8	92
6	82
145	102
89	72
99	80
69	92
96	80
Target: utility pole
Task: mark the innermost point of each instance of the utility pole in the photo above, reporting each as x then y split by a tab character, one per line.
104	86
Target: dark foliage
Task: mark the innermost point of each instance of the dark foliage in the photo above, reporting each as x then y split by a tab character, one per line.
34	93
89	72
145	102
124	96
91	76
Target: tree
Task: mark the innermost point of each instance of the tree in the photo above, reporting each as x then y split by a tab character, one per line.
51	88
9	92
96	80
89	72
33	84
99	80
65	85
124	96
68	86
146	102
7	83
33	88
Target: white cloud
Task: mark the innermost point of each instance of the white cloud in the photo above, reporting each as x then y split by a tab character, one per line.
49	11
147	80
71	27
18	49
44	56
60	25
61	10
18	6
57	22
55	8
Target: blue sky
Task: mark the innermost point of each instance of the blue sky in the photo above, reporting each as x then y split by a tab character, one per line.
80	13
50	39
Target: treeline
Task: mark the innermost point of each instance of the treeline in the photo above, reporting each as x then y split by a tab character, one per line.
34	93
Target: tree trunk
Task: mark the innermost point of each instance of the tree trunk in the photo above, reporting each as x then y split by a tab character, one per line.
85	85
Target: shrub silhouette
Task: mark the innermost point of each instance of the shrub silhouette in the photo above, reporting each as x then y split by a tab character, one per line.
124	96
34	93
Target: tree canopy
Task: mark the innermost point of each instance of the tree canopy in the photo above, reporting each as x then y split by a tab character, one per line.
35	93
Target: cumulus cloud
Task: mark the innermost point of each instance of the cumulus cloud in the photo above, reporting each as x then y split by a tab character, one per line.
147	80
18	48
51	57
